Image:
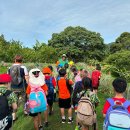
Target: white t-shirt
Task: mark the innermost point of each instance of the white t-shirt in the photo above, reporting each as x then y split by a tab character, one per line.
24	67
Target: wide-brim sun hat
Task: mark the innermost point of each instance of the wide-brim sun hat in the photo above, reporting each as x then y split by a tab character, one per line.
38	80
5	78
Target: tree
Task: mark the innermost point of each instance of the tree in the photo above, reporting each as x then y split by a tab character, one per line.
121	43
77	42
14	47
120	59
3	48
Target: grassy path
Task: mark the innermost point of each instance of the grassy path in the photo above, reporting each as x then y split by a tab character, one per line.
26	123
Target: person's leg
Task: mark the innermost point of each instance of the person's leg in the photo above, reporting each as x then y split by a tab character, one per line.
39	119
70	115
46	118
62	110
77	124
35	120
85	128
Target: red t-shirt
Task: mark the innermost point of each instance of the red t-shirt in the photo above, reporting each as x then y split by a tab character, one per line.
107	104
96	74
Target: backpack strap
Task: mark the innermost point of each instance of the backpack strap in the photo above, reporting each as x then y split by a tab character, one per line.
7	93
51	78
69	87
111	101
126	104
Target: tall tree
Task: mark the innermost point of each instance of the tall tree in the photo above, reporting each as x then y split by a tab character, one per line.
80	42
121	43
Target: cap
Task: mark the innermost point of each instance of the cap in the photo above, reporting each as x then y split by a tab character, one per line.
5	78
64	55
46	70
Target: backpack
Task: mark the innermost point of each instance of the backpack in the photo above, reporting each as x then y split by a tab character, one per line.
117	116
14	72
5	113
69	86
50	86
37	100
85	111
76	94
95	79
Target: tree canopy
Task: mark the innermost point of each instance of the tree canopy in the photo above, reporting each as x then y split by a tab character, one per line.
79	43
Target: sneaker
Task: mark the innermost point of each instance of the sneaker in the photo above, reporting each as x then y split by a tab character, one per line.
41	127
46	124
63	121
70	121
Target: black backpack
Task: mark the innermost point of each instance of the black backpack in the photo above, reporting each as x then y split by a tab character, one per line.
69	87
5	112
15	73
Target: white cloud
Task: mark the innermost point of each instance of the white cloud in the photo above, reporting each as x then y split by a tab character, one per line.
29	20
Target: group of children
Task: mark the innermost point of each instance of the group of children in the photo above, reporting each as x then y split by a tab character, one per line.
83	86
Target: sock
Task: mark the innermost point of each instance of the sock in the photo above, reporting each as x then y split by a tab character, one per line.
63	117
70	118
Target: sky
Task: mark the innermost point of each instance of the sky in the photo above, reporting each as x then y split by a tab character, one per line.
30	20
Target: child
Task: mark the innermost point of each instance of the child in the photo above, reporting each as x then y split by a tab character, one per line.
119	86
64	96
88	92
78	88
8	102
96	75
36	78
51	83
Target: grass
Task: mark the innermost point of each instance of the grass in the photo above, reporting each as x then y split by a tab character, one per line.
26	122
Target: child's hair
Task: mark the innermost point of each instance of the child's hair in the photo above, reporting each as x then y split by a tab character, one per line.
73	68
66	65
62	72
18	58
87	83
51	68
119	85
98	67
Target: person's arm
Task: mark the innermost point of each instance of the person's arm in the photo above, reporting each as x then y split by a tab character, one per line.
26	74
14	106
12	99
105	108
71	82
45	89
54	82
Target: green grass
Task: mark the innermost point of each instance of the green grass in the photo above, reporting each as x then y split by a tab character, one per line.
26	122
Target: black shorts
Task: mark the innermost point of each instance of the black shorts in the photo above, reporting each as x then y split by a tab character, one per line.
65	103
34	114
50	99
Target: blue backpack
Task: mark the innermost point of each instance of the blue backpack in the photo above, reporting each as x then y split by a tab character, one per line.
37	100
50	86
117	117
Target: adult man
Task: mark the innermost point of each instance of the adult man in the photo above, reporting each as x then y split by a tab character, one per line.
19	75
61	62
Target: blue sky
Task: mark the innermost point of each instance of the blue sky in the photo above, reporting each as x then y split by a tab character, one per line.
31	20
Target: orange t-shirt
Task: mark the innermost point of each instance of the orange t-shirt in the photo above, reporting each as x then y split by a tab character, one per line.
44	87
63	90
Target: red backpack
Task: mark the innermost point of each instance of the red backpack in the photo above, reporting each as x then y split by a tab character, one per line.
95	78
